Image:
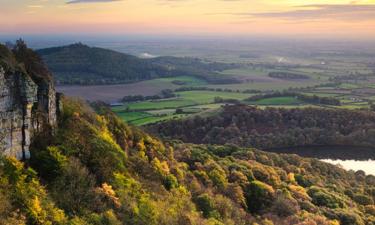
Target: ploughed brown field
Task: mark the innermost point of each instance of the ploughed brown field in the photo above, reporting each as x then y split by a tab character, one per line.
113	93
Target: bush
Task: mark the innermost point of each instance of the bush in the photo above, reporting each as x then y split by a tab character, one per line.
48	162
170	182
302	181
285	206
206	206
259	196
74	189
349	218
363	199
322	197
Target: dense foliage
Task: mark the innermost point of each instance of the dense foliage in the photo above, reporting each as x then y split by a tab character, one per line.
274	127
21	59
84	65
98	170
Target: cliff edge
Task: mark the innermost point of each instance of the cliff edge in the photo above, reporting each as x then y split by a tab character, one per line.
27	99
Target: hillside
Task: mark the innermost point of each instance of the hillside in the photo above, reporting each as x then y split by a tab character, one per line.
98	170
83	65
92	168
249	126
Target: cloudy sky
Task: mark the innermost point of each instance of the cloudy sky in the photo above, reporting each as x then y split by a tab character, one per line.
328	18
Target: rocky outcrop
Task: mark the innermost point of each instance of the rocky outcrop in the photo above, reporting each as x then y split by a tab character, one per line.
27	106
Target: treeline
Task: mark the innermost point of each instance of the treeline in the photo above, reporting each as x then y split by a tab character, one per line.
287	75
18	58
354	77
166	93
314	99
97	170
248	91
274	127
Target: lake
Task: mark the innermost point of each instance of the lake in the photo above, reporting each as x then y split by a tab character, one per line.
367	166
349	157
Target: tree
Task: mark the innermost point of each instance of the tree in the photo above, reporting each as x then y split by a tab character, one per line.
206	206
259	196
74	189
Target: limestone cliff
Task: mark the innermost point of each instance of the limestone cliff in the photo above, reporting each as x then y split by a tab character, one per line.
27	101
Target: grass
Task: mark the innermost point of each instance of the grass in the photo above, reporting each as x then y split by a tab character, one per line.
265	86
278	101
131	116
349	86
143	118
204	97
153	119
191	102
247	71
184	99
188	80
162	104
320	94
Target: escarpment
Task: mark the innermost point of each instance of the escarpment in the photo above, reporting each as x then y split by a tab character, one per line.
27	100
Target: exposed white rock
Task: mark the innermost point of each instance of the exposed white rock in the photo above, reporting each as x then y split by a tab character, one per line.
22	102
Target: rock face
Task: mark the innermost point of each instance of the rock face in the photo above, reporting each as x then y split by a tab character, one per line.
26	108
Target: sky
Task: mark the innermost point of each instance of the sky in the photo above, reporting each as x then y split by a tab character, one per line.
306	18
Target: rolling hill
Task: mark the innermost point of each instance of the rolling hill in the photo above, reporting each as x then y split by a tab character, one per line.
80	64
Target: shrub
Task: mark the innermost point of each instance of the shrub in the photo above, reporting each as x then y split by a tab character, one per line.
218	178
322	197
302	181
259	196
48	162
349	218
74	189
206	206
285	206
170	182
363	199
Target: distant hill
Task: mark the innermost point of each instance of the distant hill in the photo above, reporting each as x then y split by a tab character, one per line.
84	65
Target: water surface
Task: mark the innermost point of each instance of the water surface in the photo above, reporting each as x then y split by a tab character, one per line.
366	165
349	157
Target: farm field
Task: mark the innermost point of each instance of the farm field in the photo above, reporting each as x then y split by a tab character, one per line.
331	73
355	96
278	101
189	102
113	93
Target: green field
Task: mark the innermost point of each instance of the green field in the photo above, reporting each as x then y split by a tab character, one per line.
278	101
183	99
204	97
131	116
328	77
187	80
161	104
190	102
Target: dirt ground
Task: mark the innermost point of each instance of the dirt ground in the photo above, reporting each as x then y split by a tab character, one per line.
112	93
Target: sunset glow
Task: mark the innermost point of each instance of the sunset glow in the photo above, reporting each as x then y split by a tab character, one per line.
195	17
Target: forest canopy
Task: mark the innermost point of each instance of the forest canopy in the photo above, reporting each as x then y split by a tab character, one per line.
249	126
98	170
